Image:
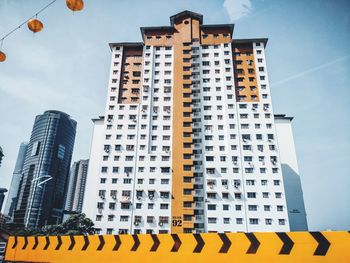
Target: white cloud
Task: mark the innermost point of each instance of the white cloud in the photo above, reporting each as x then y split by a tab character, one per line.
238	8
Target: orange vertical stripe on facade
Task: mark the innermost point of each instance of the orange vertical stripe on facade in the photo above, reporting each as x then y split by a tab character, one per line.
184	34
130	78
244	69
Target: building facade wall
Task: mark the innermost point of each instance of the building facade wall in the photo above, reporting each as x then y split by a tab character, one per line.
291	176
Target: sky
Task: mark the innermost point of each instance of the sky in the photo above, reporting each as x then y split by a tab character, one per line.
65	67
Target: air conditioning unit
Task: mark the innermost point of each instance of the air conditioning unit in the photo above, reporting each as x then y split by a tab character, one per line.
151	197
211	186
226	186
160	223
138	197
134	120
136	223
102	197
114	197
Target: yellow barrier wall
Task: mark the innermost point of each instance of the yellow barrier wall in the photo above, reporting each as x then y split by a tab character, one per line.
210	247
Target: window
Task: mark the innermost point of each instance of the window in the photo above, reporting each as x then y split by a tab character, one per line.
226	220
252	207
251	195
276	182
239	221
211	207
253	221
164	206
250	182
280	208
278	195
238	207
212	220
268	221
281	222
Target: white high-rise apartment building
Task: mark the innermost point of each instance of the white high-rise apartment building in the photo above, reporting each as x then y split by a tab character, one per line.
188	141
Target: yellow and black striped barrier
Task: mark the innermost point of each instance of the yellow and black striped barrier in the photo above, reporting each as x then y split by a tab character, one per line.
208	247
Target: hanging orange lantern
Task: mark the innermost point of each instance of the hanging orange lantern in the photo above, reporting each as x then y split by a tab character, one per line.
35	25
2	56
75	5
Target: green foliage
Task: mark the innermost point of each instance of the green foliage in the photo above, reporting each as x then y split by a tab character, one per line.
76	224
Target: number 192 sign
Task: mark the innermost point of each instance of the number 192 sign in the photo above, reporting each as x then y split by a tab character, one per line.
177	221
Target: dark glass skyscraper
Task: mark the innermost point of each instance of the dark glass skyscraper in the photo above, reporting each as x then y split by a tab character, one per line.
16	180
44	182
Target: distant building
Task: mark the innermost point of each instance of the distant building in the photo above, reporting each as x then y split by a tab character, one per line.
16	180
43	186
1	155
2	196
76	187
290	172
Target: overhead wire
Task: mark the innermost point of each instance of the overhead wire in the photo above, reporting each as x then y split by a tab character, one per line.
26	21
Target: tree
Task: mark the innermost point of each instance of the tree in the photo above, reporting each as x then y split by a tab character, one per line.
76	224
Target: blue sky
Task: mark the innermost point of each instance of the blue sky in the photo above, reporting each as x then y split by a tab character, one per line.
66	67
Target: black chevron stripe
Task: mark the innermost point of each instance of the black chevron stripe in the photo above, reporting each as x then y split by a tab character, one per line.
86	243
118	242
226	243
287	243
136	243
59	243
72	243
177	243
156	242
254	243
47	243
25	243
36	242
200	243
323	244
15	243
102	242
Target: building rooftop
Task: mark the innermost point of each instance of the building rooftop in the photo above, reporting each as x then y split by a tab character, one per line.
282	116
186	13
250	40
129	44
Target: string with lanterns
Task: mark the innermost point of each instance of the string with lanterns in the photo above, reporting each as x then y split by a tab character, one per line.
35	25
